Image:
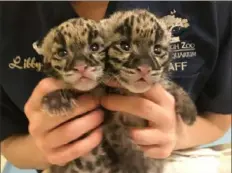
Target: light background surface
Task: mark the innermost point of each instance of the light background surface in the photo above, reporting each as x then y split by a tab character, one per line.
6	167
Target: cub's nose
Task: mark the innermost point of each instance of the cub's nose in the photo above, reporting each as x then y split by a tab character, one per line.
144	69
81	68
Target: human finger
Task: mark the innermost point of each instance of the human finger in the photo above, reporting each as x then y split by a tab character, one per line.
149	136
157	151
73	129
137	106
160	96
76	149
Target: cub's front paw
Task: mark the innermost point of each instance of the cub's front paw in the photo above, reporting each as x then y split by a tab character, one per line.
59	102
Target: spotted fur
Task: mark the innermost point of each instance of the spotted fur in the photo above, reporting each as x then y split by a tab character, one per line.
138	58
140	41
148	40
64	49
73	52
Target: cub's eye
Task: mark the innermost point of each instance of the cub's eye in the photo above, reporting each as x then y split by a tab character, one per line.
157	49
62	53
125	45
94	47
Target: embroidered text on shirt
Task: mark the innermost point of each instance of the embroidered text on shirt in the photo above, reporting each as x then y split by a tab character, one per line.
29	63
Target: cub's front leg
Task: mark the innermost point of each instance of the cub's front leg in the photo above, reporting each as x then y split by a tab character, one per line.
184	105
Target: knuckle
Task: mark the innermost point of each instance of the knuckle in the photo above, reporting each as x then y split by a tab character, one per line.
27	108
98	115
34	126
171	137
45	146
52	159
70	132
172	100
33	129
168	117
74	154
45	84
172	141
145	107
168	140
170	97
56	160
164	154
98	137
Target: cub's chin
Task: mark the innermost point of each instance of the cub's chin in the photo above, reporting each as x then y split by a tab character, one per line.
136	87
85	84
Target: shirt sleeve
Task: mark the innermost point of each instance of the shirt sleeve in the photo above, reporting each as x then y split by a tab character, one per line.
13	121
216	95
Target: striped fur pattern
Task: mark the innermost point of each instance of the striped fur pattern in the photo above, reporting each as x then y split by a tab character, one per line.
73	52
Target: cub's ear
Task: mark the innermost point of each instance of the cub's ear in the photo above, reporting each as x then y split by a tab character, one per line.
37	45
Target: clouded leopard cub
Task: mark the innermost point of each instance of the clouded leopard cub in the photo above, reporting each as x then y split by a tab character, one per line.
138	58
73	52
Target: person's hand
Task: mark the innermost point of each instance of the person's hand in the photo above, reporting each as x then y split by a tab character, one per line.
158	107
55	136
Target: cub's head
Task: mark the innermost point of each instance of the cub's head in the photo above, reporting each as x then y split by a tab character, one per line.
74	52
139	52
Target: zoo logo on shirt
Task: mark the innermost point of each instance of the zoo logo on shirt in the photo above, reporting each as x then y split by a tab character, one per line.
181	50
